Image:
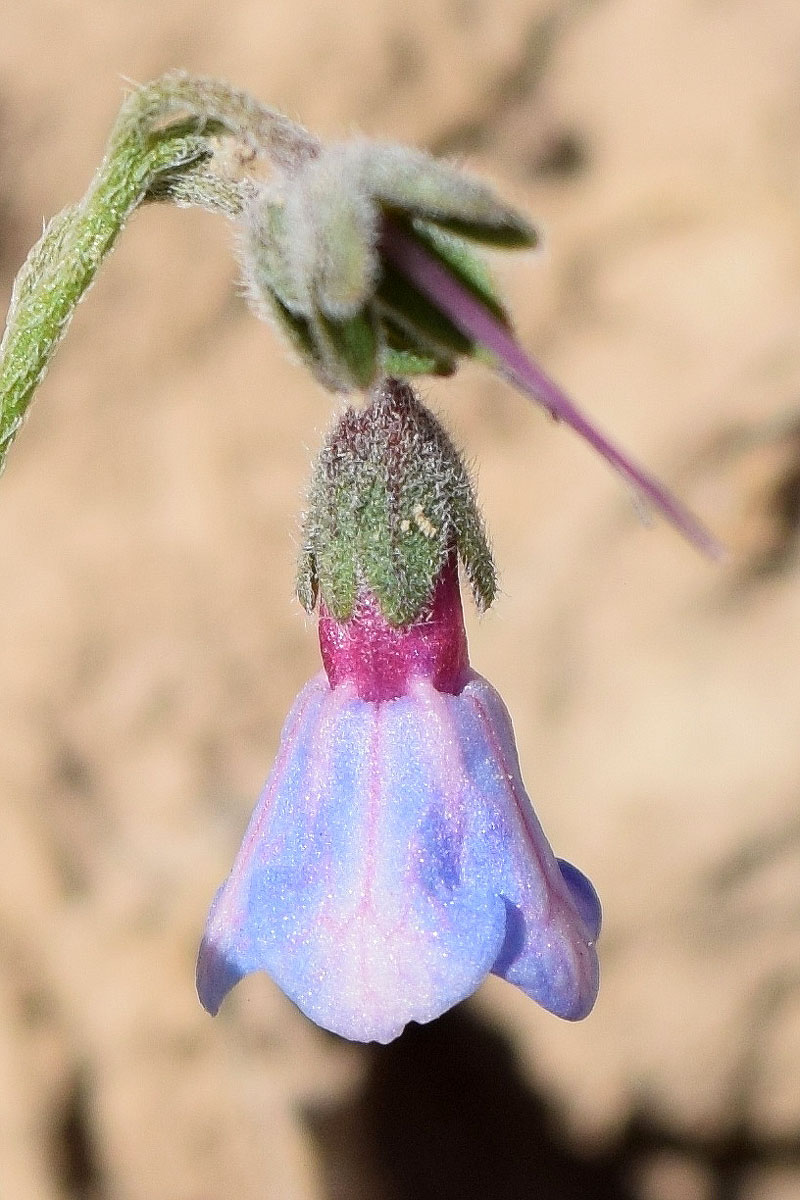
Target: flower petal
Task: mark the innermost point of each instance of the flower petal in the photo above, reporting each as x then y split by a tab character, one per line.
364	883
393	861
549	948
584	896
228	951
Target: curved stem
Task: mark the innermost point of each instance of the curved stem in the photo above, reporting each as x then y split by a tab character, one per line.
161	147
63	264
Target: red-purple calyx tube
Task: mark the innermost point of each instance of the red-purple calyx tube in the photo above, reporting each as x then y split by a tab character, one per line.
381	658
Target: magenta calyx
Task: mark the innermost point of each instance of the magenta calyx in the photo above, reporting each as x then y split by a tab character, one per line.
381	658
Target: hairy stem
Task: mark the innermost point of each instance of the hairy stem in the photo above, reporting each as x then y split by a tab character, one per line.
162	147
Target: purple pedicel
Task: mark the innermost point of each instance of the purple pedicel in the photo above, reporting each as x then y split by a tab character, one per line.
476	321
381	658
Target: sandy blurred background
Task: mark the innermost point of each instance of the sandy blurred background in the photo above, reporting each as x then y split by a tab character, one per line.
150	646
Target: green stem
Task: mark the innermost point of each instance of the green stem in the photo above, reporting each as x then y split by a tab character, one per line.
64	262
161	148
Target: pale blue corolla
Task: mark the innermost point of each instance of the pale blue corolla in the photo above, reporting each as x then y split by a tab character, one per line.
394	859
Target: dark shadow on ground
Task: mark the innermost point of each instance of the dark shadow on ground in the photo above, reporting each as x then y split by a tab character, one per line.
446	1115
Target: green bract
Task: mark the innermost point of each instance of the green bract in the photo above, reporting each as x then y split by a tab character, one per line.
312	258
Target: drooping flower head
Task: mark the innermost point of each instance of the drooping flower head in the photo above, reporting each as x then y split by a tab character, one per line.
394	859
360	251
362	255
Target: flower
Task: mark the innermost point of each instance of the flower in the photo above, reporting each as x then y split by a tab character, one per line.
313	259
360	253
394	859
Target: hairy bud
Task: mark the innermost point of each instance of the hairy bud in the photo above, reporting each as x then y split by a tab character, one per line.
390	501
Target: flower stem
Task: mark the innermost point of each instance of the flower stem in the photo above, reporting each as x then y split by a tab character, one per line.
62	266
161	147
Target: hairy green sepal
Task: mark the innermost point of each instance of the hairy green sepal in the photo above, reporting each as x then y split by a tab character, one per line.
390	500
